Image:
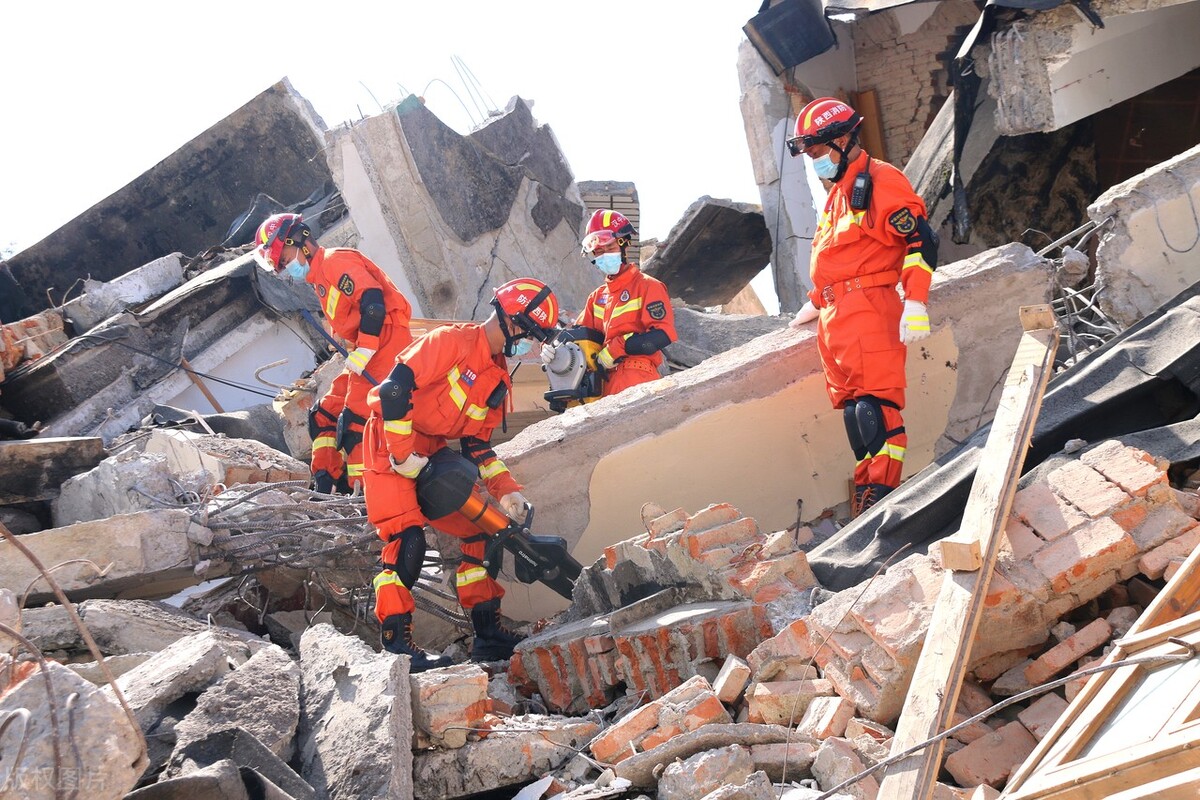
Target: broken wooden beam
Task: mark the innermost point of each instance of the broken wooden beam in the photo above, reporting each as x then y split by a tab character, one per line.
34	469
969	557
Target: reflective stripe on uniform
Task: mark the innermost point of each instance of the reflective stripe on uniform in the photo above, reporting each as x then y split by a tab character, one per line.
331	302
633	305
597	311
354	470
469	576
323	441
892	451
493	469
476	412
457	393
386	578
916	260
401	427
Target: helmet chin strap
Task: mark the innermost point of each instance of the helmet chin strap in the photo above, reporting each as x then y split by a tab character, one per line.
844	159
502	318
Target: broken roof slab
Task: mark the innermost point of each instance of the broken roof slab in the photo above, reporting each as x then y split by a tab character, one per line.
185	202
763	412
712	252
449	217
1054	67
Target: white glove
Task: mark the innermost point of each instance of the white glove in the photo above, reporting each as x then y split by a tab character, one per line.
914	323
356	360
807	313
513	505
605	359
409	467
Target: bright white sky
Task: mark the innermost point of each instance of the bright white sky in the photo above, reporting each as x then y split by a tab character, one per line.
94	94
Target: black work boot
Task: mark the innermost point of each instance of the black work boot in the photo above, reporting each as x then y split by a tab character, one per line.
396	636
493	642
865	496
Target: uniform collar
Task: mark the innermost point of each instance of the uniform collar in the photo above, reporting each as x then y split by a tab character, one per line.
627	273
856	166
316	263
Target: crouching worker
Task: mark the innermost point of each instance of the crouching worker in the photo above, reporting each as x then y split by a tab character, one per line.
452	383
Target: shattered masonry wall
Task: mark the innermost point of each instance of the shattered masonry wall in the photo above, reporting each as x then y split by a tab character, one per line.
1150	249
753	426
187	201
1054	68
449	217
903	54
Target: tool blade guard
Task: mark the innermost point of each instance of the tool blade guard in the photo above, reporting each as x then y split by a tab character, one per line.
448	485
574	375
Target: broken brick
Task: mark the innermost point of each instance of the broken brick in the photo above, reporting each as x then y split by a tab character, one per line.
732	679
685	708
1154	563
784	702
1131	469
1100	546
1087	489
826	717
1042	714
993	758
1045	512
737	535
1068	651
711	517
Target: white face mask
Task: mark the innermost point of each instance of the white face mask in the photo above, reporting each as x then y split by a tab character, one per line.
608	263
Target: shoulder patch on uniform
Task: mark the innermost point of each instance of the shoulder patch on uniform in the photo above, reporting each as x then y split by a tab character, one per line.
345	285
657	310
903	221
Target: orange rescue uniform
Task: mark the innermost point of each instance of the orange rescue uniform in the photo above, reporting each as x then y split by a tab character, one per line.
349	285
858	257
627	304
454	375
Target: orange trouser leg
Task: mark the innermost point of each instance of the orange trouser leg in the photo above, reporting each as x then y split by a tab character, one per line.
472	582
628	373
884	467
859	343
391	507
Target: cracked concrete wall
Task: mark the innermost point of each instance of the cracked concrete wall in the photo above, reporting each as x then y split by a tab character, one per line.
449	217
753	426
1054	68
1148	251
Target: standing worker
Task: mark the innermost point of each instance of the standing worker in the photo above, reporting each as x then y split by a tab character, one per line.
630	311
365	309
451	383
872	235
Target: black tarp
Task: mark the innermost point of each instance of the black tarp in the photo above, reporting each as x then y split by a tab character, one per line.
1142	387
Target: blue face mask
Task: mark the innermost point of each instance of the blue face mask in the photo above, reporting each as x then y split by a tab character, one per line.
521	347
609	263
824	167
296	270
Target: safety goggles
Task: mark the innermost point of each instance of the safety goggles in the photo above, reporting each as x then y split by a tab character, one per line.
799	145
596	240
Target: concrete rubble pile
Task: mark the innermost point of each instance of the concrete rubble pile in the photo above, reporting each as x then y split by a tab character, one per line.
699	659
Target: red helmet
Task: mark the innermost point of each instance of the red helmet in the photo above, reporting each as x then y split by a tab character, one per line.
531	305
822	121
606	226
277	231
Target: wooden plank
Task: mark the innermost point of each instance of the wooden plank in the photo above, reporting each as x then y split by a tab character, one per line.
933	695
34	469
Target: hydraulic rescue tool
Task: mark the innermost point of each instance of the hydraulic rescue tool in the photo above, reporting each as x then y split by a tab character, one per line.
448	484
574	375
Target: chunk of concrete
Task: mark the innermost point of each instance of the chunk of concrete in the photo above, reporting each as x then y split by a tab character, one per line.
757	786
447	703
102	299
712	252
224	461
144	554
243	749
261	696
356	730
142	626
122	484
696	776
189	665
105	759
643	769
703	335
520	750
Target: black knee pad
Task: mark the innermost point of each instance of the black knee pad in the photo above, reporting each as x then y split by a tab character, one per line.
853	432
868	413
411	556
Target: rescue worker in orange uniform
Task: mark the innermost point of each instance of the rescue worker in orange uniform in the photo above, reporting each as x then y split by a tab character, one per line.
451	383
365	309
872	235
631	311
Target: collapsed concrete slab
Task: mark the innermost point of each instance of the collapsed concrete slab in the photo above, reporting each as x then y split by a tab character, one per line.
764	408
712	252
223	461
1145	254
35	469
356	731
145	554
702	335
449	217
122	484
102	299
186	202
